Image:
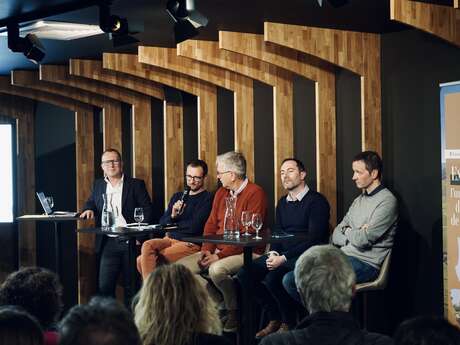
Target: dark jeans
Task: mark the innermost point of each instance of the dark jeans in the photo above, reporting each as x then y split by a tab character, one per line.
268	290
363	271
115	260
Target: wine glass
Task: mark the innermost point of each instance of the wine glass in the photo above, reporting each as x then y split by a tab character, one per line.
257	224
246	221
139	216
50	201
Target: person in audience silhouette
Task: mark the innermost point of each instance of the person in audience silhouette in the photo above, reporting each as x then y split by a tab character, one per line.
172	307
39	292
103	321
326	283
18	327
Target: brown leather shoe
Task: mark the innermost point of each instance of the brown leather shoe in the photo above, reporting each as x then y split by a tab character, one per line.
284	327
272	327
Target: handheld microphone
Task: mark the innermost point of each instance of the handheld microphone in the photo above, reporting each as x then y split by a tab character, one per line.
184	198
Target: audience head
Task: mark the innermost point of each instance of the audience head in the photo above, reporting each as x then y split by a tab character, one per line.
19	327
292	173
36	290
195	174
231	166
325	279
171	295
427	330
103	321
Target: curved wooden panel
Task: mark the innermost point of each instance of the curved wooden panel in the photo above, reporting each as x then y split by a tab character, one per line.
241	86
279	79
441	21
358	52
141	114
311	68
22	109
206	101
174	159
92	69
111	110
85	174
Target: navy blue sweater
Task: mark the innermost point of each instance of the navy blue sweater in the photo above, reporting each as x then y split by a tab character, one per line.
310	216
195	215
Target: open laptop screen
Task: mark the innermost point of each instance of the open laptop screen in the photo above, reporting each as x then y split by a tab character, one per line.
44	202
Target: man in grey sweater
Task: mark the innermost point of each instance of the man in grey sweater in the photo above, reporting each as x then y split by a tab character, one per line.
367	231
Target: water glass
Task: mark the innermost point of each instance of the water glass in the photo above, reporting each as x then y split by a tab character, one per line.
257	224
139	216
246	218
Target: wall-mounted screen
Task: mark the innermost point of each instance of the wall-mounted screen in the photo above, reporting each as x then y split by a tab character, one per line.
6	173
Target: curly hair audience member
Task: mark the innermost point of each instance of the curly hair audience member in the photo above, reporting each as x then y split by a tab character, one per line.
103	321
39	292
18	327
174	309
427	330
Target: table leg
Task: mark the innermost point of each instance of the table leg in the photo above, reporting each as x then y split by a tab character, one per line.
246	332
132	264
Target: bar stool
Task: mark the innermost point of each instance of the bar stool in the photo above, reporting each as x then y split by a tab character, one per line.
379	283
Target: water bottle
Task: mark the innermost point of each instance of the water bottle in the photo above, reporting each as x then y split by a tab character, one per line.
230	221
107	220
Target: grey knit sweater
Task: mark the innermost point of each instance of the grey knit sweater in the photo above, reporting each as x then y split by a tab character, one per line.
367	230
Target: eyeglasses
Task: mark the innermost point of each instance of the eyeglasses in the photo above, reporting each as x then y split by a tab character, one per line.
220	173
110	162
194	178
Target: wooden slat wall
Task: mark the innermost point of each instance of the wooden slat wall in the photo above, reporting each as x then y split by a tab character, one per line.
279	79
241	86
324	77
85	176
111	110
206	101
441	21
356	51
141	113
22	110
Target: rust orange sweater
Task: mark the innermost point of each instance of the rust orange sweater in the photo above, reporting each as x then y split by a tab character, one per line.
252	198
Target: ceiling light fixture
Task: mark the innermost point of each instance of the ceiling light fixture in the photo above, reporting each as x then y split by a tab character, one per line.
117	27
334	3
29	45
187	19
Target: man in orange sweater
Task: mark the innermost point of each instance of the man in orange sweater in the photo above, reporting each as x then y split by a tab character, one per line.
223	261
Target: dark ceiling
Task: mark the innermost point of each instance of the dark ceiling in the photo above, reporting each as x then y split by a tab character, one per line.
156	27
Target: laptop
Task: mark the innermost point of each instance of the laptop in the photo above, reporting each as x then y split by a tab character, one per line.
49	212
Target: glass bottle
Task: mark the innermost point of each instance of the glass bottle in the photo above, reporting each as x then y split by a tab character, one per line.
230	220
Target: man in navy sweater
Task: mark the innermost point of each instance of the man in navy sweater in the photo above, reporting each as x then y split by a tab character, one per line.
301	212
190	217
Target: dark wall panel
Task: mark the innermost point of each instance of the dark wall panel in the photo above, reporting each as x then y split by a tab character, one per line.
348	136
55	175
190	127
305	127
158	158
225	121
263	144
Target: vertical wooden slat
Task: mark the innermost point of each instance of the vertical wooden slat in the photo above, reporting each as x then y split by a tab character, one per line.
173	149
84	143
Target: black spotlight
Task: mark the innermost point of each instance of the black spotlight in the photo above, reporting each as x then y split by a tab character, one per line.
30	45
187	19
115	26
334	3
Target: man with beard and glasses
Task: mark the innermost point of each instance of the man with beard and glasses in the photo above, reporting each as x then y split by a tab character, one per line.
301	212
190	216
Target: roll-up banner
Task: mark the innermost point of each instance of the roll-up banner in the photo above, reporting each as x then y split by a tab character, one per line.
450	160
